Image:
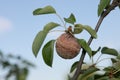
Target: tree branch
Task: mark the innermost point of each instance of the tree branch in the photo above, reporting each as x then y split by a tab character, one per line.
114	4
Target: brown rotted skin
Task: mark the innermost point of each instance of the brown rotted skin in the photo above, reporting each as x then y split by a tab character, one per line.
67	46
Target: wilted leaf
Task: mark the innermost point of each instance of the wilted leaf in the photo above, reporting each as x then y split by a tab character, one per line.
91	31
74	66
85	46
50	26
78	28
71	19
109	51
47	52
89	72
102	5
38	41
45	10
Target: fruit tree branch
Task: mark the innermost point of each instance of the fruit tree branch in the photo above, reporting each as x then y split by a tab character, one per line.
114	4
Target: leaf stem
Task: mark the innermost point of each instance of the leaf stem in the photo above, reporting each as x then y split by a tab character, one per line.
102	60
98	58
64	24
92	60
103	15
56	31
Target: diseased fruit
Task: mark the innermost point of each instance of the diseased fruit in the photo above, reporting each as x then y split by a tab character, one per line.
67	46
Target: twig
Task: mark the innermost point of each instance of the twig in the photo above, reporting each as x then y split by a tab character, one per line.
114	4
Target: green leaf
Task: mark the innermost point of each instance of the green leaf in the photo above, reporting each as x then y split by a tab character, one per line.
74	66
45	10
40	37
47	52
94	52
108	69
113	60
102	5
89	72
78	28
71	19
85	46
50	26
109	51
91	31
38	41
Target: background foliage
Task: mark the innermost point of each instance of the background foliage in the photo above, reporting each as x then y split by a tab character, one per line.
14	67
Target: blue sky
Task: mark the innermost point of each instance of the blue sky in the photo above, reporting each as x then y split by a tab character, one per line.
18	27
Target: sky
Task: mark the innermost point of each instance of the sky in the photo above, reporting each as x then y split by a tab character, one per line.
18	28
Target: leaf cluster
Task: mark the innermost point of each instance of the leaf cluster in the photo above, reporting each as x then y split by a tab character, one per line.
48	48
90	72
104	5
